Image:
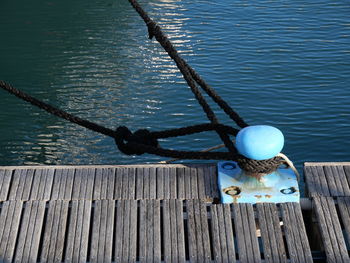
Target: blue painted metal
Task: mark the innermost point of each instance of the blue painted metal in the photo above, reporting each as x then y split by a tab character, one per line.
236	187
259	142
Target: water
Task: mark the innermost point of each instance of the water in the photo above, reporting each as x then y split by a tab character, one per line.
283	63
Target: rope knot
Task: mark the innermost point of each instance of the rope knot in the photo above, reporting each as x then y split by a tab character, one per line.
134	143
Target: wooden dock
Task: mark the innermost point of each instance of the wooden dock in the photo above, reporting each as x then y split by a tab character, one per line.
165	213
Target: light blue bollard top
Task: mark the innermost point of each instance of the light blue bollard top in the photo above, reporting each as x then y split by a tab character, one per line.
259	142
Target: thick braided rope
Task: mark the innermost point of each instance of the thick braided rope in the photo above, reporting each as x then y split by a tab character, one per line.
155	31
192	77
142	141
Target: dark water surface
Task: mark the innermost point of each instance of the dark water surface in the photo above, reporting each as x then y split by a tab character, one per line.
284	63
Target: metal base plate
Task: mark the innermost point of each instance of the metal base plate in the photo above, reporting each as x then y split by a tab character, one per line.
235	187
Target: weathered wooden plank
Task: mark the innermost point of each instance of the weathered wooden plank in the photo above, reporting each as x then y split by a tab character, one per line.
160	183
229	233
146	183
85	229
25	186
23	232
325	227
214	184
332	187
167	231
67	188
111	177
201	183
342	180
79	183
207	183
96	224
344	209
38	181
153	183
312	183
173	230
180	183
82	187
79	225
62	188
180	231
5	179
188	190
306	251
133	231
216	234
143	231
118	184
347	172
126	232
44	182
172	183
119	230
296	238
204	230
245	227
167	186
62	222
125	184
101	256
132	183
29	237
317	181
53	233
292	237
109	231
104	184
271	233
3	226
149	235
333	176
191	227
59	178
97	195
139	183
150	231
194	183
330	229
156	232
49	244
88	185
9	226
222	234
198	231
18	182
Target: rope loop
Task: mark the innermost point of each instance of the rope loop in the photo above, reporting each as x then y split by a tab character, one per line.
258	168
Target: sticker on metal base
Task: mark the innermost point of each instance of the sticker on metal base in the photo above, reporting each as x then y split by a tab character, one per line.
235	186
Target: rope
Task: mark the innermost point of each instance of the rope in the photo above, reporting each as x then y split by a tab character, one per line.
191	77
139	142
143	141
216	147
290	164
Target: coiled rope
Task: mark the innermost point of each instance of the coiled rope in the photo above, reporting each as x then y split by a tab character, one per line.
144	141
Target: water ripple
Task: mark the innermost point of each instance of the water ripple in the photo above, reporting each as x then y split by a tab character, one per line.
284	63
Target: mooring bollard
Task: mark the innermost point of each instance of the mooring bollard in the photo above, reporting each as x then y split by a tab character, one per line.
260	142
